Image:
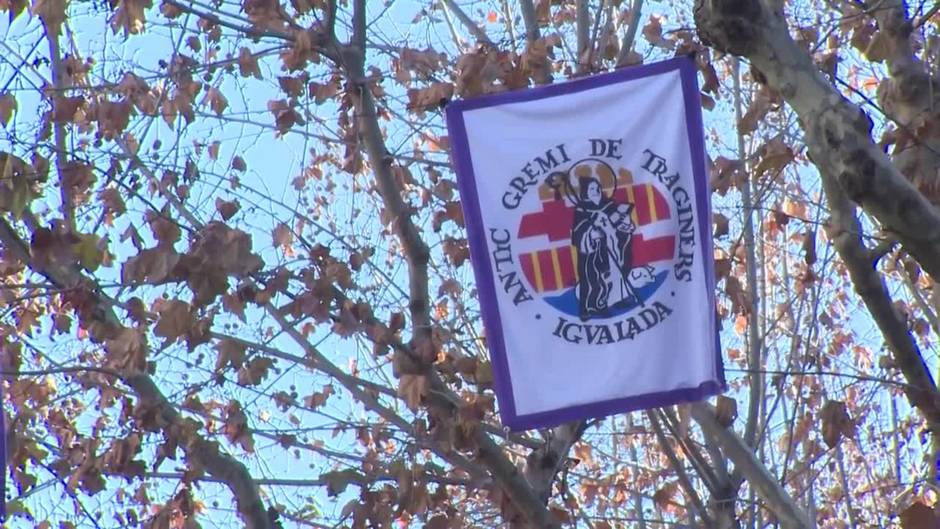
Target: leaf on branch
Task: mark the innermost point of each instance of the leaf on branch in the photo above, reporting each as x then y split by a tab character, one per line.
112	117
216	101
723	173
456	250
52	13
213	150
128	349
78	178
64	108
919	516
653	32
721	225
7	107
176	318
536	59
726	410
337	481
153	265
321	92
774	157
164	229
283	238
238	164
762	103
663	497
315	400
15	7
91	251
836	422
226	208
809	247
285	117
19	184
708	103
435	96
235	426
248	64
292	86
255	371
412	388
230	353
129	16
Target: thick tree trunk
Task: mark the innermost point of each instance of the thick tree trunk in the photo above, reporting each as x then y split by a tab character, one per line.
852	167
837	130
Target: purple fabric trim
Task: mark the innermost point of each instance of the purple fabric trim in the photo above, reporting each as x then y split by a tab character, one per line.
3	462
482	268
611	407
695	128
567	87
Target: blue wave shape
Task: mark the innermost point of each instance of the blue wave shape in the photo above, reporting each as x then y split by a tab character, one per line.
567	301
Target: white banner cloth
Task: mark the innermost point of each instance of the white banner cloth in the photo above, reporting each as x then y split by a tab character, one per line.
588	217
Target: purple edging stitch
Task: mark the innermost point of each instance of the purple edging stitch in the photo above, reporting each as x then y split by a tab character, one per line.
694	127
3	464
482	268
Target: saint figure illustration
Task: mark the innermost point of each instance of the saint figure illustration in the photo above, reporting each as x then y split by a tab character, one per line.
601	234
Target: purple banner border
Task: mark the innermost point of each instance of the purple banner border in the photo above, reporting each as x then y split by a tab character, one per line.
482	268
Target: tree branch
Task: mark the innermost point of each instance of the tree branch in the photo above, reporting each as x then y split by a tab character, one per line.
532	34
697	505
416	251
468	22
52	29
766	486
100	316
543	464
754	355
837	130
583	28
629	38
921	390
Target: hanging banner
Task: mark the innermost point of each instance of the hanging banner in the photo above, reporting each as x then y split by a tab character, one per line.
588	216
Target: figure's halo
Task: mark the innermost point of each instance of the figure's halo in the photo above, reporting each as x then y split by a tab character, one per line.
587	168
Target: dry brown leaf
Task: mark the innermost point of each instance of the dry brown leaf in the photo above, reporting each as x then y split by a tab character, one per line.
248	64
7	107
434	96
836	422
721	225
919	516
412	388
726	410
283	237
226	208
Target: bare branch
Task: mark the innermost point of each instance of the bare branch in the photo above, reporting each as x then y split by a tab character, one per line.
837	130
530	19
684	480
52	30
629	38
532	34
467	22
767	487
754	354
208	455
583	29
921	390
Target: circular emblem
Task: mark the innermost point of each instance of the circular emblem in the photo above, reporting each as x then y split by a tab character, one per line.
596	244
